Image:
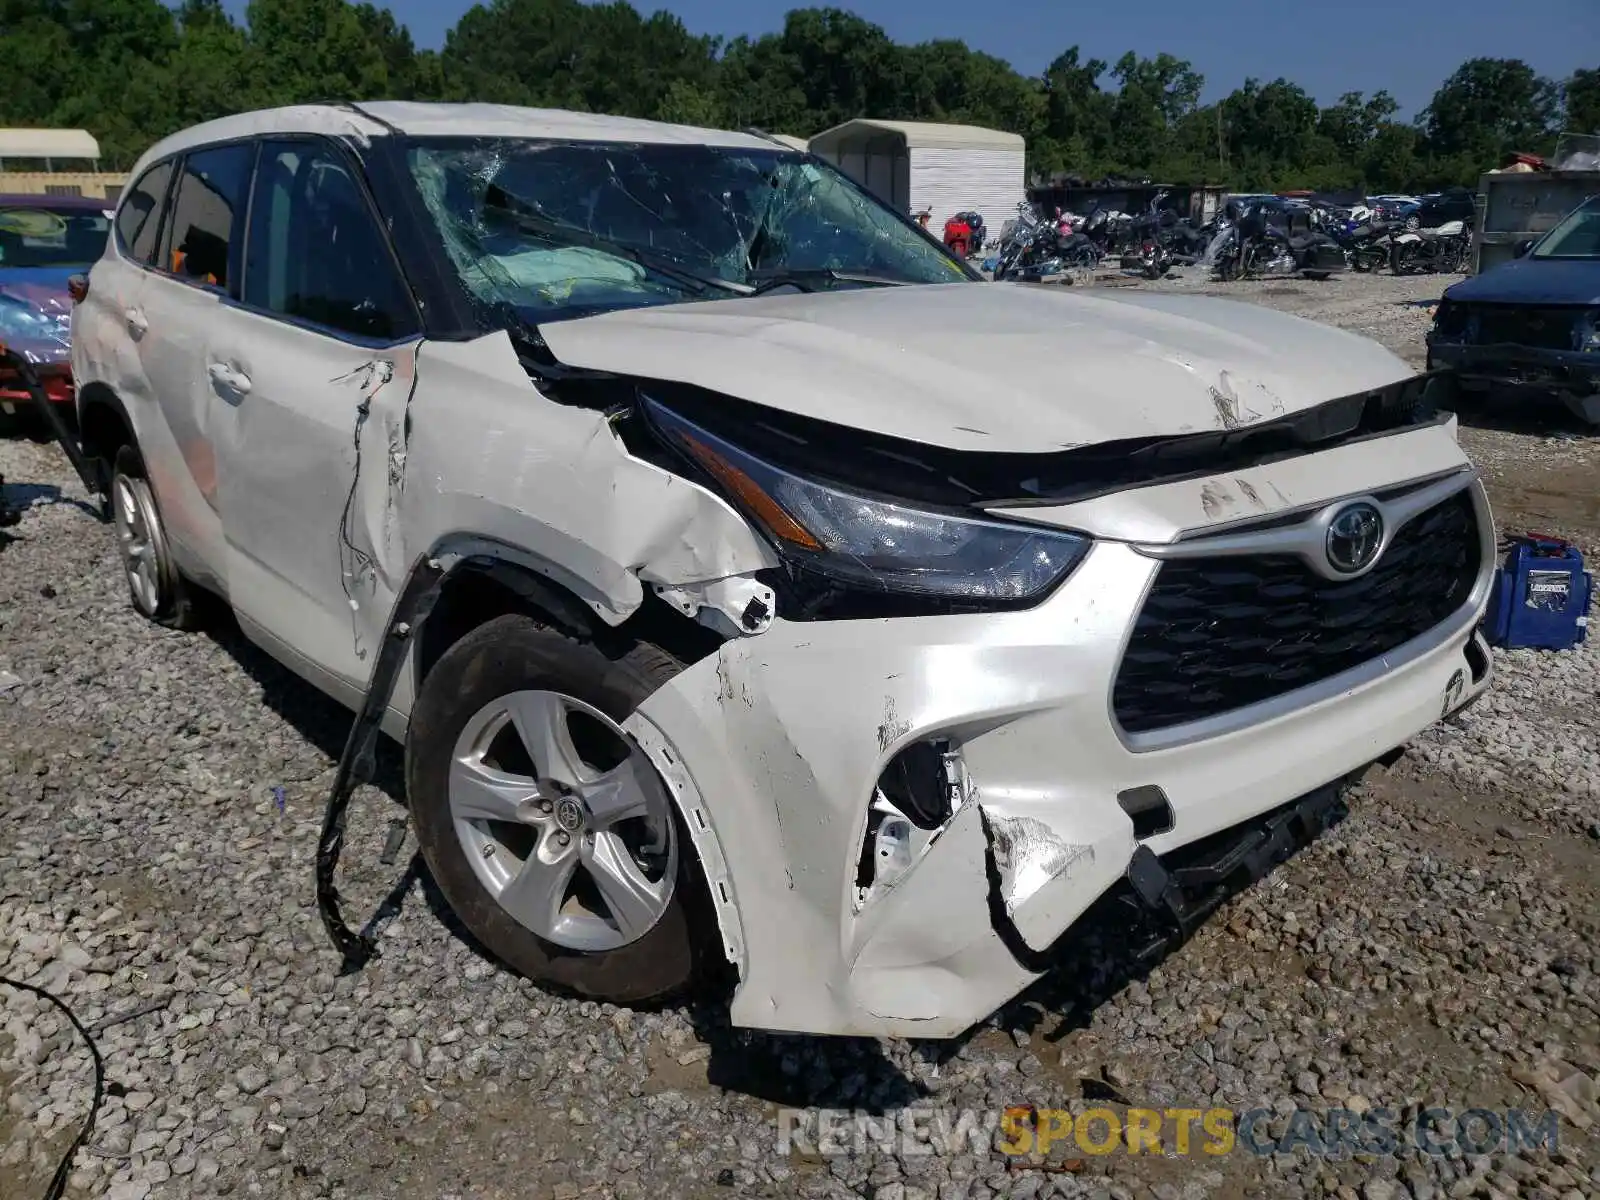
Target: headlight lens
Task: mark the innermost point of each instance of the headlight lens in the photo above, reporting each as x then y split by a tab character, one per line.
879	544
1589	332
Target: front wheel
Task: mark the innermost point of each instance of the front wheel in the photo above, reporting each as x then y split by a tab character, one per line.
546	826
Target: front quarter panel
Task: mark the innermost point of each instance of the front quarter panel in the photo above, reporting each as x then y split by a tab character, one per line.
488	456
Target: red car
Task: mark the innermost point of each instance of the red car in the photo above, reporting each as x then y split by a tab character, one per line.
44	241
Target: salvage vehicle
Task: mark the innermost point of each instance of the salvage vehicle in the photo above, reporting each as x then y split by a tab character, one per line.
44	241
1530	328
735	618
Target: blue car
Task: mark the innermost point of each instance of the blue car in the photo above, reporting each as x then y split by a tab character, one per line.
1530	327
44	241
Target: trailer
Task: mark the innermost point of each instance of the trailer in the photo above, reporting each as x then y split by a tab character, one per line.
1518	206
945	169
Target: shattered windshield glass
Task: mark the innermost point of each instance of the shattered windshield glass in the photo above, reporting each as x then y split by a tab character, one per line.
556	230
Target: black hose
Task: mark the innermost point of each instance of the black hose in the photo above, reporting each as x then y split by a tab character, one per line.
58	1181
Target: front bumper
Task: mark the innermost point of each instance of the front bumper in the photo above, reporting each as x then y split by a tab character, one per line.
775	745
1571	376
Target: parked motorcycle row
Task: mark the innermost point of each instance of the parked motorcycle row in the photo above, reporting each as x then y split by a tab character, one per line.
1252	237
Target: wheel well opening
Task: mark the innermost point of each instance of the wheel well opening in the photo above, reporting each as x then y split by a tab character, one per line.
478	594
101	426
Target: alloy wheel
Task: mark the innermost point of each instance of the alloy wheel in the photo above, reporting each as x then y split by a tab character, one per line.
139	542
563	820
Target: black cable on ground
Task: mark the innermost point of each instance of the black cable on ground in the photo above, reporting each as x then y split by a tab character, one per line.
58	1181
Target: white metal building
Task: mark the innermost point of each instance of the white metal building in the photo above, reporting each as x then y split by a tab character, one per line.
47	145
915	165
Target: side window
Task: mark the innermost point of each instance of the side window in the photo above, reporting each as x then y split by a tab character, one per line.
139	218
208	215
316	252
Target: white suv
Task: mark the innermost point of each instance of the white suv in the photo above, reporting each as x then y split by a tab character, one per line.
803	601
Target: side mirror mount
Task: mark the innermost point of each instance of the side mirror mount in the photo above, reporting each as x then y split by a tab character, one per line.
1524	246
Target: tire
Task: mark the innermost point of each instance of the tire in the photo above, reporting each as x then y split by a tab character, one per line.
514	656
156	589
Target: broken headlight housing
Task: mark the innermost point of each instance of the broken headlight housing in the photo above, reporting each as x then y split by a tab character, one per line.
875	543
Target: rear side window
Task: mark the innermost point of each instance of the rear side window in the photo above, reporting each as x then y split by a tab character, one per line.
139	218
208	211
316	251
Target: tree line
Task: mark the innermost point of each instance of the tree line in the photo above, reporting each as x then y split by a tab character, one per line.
131	71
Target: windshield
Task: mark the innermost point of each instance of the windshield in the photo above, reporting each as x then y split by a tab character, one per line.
51	237
1578	235
559	229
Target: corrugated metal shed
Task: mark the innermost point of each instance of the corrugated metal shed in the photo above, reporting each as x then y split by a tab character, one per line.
789	139
916	165
48	143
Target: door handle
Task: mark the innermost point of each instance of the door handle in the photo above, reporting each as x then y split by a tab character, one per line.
226	376
136	322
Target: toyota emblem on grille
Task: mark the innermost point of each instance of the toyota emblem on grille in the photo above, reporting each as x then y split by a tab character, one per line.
1354	537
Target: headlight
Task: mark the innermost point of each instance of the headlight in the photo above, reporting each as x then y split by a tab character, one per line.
1589	332
875	543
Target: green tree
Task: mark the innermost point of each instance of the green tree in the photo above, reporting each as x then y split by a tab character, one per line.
309	50
1078	115
1581	102
1486	109
1154	95
131	71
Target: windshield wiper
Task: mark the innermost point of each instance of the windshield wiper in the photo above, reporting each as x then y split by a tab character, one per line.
808	278
560	231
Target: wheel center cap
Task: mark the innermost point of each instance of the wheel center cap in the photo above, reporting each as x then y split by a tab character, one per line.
569	814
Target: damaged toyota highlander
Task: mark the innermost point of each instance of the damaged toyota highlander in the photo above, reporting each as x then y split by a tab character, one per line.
772	633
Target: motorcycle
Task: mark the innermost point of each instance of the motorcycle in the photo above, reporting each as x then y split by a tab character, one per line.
1366	244
1033	249
958	235
1443	249
980	234
1253	246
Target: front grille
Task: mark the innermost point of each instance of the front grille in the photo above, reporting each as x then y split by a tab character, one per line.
1218	634
1544	328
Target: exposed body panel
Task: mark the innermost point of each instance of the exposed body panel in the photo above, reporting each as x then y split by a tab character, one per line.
1062	368
790	730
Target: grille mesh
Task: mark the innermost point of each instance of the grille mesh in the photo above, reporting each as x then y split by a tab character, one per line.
1218	634
1542	328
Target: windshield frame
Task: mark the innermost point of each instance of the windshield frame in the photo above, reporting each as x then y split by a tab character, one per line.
1561	229
452	310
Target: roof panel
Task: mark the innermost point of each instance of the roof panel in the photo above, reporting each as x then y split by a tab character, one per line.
48	143
374	119
925	134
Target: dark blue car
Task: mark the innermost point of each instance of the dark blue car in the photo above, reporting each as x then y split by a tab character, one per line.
44	241
1531	326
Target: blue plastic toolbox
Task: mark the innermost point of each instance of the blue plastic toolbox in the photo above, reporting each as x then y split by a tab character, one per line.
1541	595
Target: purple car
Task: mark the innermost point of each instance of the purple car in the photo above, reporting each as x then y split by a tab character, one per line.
44	241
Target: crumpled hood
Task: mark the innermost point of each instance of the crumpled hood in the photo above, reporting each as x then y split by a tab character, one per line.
36	313
996	367
1533	281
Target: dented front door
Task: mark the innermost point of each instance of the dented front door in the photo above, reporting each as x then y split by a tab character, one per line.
310	376
299	461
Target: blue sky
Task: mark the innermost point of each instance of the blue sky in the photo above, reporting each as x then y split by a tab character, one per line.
1347	45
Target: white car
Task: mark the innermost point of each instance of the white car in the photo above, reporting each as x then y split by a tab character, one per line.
803	602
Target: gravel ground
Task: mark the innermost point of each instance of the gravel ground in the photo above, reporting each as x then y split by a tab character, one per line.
159	804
